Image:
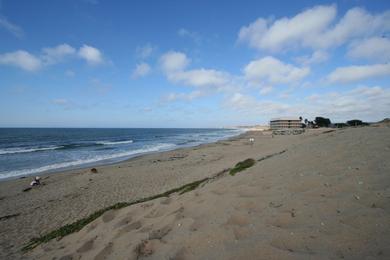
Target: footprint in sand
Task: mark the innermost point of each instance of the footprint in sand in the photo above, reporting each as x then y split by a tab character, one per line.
283	220
196	225
133	226
238	220
160	233
220	191
180	254
179	213
241	233
154	213
146	229
107	250
292	244
145	248
146	205
86	246
248	192
165	201
91	226
124	221
109	215
66	257
250	206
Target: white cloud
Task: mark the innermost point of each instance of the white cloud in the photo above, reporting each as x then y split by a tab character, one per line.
249	105
141	70
313	28
92	55
316	57
10	27
200	77
357	22
190	34
57	54
356	73
21	59
173	61
270	70
365	103
241	102
174	65
183	96
281	33
375	48
50	56
266	90
206	81
145	51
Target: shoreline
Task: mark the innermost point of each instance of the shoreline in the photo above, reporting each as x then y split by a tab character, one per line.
108	162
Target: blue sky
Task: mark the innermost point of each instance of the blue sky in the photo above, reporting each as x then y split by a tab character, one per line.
96	63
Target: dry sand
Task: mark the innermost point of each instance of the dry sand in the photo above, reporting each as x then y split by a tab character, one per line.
326	197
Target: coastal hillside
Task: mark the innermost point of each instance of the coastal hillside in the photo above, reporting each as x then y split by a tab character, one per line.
321	195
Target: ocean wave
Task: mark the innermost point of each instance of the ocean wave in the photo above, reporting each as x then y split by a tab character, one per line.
27	150
188	142
115	142
76	146
57	166
60	147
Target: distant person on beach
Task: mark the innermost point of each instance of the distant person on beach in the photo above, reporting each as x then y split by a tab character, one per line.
251	140
36	181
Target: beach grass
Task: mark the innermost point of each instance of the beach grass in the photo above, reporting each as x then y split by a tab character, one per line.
242	166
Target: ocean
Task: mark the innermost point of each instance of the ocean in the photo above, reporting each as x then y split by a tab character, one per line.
28	151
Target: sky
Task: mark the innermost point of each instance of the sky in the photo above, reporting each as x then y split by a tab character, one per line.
97	63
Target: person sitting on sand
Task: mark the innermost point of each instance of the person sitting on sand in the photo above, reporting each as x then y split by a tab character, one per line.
36	181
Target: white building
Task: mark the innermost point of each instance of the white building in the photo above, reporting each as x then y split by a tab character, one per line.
285	122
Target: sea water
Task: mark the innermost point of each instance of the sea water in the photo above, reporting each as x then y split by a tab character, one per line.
27	151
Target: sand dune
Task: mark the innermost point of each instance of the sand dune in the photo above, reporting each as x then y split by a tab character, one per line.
326	197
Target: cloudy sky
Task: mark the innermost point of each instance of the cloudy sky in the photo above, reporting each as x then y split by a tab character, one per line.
96	63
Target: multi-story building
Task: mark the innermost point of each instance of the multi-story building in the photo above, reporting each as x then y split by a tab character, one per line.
285	122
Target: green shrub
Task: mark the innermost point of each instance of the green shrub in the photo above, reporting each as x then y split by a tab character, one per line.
242	166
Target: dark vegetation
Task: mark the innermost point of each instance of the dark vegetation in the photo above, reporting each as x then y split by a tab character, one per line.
9	216
356	122
340	125
242	166
271	155
325	122
322	121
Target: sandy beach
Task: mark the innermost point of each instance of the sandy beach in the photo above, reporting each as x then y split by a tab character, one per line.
324	194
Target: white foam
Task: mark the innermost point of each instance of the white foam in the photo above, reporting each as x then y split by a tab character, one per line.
27	150
115	143
56	166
